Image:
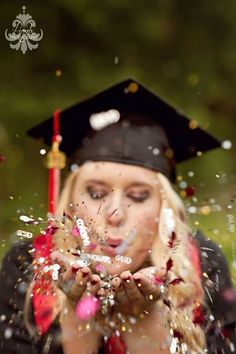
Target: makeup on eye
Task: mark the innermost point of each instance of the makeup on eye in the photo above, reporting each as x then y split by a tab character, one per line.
135	194
138	196
96	192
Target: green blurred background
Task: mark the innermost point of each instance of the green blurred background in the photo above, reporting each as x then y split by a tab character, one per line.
185	51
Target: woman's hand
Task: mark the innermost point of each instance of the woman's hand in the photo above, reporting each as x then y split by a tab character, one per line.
136	293
77	336
75	281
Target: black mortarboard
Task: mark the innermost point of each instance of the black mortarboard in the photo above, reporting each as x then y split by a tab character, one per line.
127	123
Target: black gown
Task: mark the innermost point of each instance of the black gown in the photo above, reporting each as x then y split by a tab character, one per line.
16	274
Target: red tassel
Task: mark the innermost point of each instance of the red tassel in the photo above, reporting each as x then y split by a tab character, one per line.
56	161
115	345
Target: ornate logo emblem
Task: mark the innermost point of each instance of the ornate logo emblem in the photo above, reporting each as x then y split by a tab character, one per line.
23	36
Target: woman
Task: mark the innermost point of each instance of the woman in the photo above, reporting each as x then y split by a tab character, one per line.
117	269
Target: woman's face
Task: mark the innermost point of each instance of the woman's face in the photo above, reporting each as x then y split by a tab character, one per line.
120	206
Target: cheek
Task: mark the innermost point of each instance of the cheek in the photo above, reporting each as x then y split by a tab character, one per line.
148	223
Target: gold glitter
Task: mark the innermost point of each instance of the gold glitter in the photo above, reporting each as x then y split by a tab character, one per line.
150	297
123	328
58	72
133	87
193	79
193	124
205	210
169	153
183	194
205	275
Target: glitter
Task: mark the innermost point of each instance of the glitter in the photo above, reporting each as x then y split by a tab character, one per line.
8	333
25	234
26	219
230	224
150	297
193	124
132	320
226	144
205	210
41	260
42	152
123	328
58	73
174	346
82	232
2	318
126	260
156	151
116	60
191	174
192	210
169	220
74	167
182	185
87	307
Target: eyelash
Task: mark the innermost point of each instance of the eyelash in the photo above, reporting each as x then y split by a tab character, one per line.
97	195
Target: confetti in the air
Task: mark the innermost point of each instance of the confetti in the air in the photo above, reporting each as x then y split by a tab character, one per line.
23	233
87	307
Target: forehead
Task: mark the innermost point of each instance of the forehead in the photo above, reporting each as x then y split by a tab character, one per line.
116	172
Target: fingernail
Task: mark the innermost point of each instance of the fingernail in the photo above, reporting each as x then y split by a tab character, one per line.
136	277
94	282
84	274
74	269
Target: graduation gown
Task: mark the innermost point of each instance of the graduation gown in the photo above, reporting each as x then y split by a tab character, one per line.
17	272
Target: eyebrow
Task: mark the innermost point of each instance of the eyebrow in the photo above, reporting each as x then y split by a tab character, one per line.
132	184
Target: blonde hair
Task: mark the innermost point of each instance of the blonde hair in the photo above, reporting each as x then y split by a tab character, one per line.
185	295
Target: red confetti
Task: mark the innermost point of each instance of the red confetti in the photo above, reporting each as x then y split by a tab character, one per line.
115	345
176	281
198	316
172	240
177	334
159	281
190	191
169	265
2	158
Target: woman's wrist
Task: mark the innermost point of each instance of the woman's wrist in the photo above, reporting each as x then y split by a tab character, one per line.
149	331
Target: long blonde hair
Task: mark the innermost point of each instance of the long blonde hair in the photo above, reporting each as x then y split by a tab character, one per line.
187	294
183	296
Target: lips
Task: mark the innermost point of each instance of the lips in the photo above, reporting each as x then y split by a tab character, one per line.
113	242
110	248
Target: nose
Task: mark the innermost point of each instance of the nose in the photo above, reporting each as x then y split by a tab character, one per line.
116	213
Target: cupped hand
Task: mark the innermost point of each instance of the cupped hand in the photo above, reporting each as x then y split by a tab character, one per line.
73	280
138	292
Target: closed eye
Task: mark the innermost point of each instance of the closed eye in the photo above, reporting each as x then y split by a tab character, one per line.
95	193
139	197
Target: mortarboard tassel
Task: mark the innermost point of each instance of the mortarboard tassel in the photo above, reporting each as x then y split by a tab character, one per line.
56	160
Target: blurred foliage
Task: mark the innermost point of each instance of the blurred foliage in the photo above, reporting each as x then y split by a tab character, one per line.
183	50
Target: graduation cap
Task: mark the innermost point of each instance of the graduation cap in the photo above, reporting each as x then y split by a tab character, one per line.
127	123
